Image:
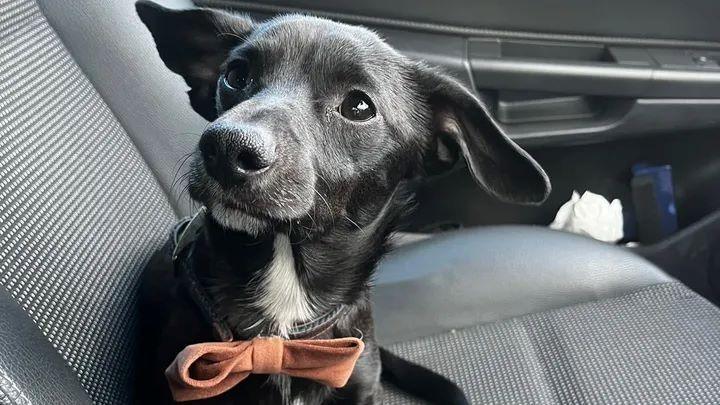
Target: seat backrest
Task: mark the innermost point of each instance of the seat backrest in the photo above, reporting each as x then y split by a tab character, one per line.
85	197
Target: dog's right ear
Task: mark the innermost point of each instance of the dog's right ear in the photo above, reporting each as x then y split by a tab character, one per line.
194	43
462	121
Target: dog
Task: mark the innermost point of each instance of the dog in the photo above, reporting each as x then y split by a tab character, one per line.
316	131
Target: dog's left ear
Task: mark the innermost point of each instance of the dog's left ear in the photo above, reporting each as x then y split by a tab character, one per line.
194	43
462	121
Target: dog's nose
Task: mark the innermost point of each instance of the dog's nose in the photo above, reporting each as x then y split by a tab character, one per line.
234	153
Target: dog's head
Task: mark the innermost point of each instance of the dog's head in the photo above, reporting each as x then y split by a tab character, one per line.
314	121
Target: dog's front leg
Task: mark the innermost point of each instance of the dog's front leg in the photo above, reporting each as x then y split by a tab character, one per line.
364	386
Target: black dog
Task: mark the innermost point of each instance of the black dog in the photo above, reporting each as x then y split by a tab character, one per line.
316	128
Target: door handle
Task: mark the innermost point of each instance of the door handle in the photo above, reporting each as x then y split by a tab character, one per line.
591	70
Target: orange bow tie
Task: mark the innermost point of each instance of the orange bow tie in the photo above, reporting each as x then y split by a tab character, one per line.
205	370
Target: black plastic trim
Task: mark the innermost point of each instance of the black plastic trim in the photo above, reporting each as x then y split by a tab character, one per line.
587	70
455	29
623	118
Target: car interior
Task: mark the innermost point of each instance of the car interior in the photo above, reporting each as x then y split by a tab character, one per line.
94	131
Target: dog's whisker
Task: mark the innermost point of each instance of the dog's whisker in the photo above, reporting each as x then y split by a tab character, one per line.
181	180
354	223
323	179
232	34
323	199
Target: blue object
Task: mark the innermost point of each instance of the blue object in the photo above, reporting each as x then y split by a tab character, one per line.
657	202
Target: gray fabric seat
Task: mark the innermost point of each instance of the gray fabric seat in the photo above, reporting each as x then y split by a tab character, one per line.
526	315
91	128
657	345
482	275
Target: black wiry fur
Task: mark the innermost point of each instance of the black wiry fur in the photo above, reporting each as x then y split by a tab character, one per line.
226	262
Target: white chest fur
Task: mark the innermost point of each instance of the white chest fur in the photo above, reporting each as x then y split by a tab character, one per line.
281	296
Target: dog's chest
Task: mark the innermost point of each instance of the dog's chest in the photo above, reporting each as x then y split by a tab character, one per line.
283	299
280	294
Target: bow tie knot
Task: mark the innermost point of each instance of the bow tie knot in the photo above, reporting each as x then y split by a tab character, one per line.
205	370
267	356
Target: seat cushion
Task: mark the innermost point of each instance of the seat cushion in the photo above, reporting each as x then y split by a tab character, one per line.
657	345
31	370
117	55
528	315
80	211
460	279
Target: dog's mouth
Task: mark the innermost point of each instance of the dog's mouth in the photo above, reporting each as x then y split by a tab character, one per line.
249	207
242	208
238	220
254	206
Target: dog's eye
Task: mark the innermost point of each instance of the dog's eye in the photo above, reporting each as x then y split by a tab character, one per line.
357	106
236	74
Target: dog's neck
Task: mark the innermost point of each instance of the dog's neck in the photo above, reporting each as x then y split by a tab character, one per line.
263	285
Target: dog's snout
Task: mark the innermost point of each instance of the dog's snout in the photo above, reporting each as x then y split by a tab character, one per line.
231	154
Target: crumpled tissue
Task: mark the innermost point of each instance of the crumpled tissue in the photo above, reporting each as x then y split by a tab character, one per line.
591	215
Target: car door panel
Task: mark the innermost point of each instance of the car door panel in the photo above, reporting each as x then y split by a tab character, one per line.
693	20
566	51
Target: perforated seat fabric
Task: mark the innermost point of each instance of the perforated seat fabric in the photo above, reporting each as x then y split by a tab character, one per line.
80	213
658	345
